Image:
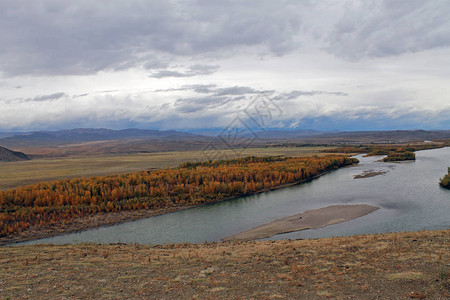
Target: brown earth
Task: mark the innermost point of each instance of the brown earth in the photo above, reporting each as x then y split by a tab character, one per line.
409	265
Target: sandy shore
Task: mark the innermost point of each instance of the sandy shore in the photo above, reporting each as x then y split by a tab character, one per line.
370	173
310	219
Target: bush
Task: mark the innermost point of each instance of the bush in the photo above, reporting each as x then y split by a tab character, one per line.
445	182
399	156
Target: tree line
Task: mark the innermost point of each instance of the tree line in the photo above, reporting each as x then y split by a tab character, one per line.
374	150
51	203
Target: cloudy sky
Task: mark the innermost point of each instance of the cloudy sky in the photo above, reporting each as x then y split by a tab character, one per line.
325	65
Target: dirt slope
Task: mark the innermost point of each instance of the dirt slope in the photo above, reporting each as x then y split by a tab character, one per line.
410	265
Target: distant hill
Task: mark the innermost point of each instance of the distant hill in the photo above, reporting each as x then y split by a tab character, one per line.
8	155
393	136
265	134
321	137
287	134
63	137
100	141
91	141
102	134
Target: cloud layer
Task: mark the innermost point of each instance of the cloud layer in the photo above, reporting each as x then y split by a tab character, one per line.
198	64
78	37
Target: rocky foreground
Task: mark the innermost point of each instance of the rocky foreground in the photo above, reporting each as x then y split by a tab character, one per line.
410	265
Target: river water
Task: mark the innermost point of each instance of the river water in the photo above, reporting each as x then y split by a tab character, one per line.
408	195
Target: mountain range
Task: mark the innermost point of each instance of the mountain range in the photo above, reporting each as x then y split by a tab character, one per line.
89	135
99	141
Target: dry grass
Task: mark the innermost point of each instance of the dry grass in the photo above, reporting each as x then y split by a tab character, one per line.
13	174
406	276
390	266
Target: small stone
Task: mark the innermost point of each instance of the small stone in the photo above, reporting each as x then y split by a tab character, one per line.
416	295
207	271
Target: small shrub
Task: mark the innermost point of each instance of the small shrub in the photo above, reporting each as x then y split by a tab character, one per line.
445	182
399	156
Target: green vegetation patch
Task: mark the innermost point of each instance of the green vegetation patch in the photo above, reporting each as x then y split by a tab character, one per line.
399	156
374	150
445	182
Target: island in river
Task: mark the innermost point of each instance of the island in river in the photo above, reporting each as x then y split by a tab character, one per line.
310	219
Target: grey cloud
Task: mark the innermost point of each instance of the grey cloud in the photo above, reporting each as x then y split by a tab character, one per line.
385	28
80	37
198	88
167	73
50	97
203	88
235	90
107	91
194	70
54	96
296	94
80	95
197	104
203	69
217	91
196	110
170	90
154	63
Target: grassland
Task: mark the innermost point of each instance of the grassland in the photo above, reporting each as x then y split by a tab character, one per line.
387	149
409	265
14	174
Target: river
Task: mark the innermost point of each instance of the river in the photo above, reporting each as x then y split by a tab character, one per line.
408	194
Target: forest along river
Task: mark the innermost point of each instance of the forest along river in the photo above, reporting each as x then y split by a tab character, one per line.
408	195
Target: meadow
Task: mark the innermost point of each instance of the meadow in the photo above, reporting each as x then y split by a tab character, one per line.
14	174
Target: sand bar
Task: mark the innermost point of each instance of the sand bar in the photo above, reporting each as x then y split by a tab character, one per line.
310	219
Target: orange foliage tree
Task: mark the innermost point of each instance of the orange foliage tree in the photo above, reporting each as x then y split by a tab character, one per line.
51	203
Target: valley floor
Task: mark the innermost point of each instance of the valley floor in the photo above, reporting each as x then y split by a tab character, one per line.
14	174
384	266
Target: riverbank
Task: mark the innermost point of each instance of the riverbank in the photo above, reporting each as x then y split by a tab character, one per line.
113	218
408	265
310	219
